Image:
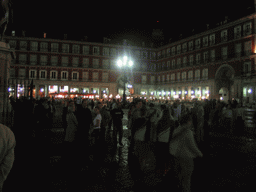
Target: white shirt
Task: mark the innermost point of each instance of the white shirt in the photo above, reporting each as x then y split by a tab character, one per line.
98	117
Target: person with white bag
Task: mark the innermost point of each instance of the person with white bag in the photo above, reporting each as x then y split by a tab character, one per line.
184	148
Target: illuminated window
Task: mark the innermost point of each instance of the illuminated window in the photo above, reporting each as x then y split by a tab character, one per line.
64	75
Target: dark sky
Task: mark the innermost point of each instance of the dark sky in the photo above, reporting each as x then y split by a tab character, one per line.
134	19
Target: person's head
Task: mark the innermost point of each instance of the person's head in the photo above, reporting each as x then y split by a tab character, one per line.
84	103
139	104
119	105
71	106
97	110
99	105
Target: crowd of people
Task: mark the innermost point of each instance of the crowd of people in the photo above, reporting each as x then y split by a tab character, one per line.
88	122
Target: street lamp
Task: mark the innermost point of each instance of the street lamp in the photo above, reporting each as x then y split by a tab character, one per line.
123	64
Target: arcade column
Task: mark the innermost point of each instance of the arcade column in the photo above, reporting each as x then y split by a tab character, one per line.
6	56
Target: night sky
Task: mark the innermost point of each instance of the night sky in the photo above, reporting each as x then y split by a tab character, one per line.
126	20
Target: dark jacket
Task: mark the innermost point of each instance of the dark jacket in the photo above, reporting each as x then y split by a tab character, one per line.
117	115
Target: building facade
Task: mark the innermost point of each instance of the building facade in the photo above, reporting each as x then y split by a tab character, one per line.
216	64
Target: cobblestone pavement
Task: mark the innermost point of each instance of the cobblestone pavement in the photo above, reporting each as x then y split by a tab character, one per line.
228	163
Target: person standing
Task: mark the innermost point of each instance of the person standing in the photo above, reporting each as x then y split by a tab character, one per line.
117	115
7	145
104	122
72	125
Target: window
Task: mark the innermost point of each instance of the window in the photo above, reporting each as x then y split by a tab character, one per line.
191	45
54	60
105	77
168	64
178	76
32	74
23	45
224	52
212	39
168	52
152	79
248	48
86	49
178	63
85	76
33	59
53	75
197	74
191	60
23	59
163	66
184	47
163	78
198	58
65	48
173	50
95	76
75	76
213	55
43	59
184	76
163	54
95	63
75	61
238	49
143	79
144	55
113	52
224	36
205	74
12	44
167	78
178	49
76	49
85	62
206	56
247	28
64	75
158	79
105	64
184	61
198	43
205	41
190	75
159	55
42	74
237	32
106	51
173	77
173	64
44	46
54	47
12	72
22	73
96	50
64	61
247	68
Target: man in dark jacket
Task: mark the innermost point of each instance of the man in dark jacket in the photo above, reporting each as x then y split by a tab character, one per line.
117	116
104	122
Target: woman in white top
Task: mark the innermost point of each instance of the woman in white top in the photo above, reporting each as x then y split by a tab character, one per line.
95	130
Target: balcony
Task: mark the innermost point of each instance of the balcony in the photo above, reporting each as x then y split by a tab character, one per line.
205	78
44	49
190	79
224	38
237	35
65	51
144	82
197	78
212	42
247	32
54	50
43	63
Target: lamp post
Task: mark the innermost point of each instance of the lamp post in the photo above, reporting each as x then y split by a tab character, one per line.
124	63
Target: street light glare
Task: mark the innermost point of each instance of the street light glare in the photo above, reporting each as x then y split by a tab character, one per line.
119	63
125	58
130	63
